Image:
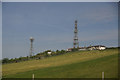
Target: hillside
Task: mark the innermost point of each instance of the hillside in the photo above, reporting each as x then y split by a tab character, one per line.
81	64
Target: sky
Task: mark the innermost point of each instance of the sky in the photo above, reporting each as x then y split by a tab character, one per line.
51	24
0	39
60	0
0	31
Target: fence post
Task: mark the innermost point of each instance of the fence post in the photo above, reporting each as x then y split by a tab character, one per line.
32	76
102	75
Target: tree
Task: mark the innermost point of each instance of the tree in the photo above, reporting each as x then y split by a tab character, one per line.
57	52
11	60
75	49
62	51
5	60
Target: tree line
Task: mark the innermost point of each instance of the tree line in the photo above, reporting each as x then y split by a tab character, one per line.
41	55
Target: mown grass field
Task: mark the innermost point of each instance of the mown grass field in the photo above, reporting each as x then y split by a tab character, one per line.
82	64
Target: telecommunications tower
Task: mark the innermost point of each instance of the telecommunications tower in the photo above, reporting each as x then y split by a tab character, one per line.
75	42
31	46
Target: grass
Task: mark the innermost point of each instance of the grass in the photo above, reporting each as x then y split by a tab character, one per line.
82	64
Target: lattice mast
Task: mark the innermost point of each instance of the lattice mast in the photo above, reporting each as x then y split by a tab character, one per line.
76	43
31	46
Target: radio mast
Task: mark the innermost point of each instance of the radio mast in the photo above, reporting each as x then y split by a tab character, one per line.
75	42
31	46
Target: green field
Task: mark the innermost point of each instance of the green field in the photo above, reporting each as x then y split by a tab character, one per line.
81	64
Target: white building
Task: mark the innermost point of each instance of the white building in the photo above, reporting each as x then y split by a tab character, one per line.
82	48
101	47
69	49
97	47
49	53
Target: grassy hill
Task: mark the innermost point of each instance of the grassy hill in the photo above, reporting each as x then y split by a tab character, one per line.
81	64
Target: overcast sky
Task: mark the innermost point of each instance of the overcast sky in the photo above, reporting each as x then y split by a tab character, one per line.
52	25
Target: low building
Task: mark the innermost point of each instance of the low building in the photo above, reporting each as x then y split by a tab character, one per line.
100	47
97	47
82	48
69	49
49	53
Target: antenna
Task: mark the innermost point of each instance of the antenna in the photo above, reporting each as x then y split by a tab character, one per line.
31	46
75	42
